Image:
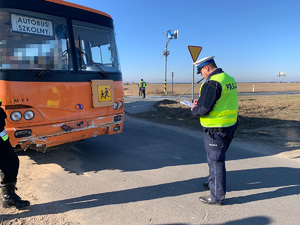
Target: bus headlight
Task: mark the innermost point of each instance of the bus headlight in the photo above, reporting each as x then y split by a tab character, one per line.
115	106
28	115
15	116
120	105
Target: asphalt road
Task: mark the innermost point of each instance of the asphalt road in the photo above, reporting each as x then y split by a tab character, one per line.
152	174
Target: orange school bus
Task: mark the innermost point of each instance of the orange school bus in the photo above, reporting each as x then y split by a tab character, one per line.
60	78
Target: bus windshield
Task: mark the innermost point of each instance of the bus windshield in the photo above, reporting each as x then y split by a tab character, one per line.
95	46
35	41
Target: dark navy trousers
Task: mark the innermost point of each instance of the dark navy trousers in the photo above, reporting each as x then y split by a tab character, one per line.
9	163
216	144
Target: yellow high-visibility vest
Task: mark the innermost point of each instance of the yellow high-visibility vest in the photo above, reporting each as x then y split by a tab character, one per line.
225	111
142	84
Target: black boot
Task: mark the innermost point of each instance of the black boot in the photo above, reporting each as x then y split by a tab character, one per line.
10	198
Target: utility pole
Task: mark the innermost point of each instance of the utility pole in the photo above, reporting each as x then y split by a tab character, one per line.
169	36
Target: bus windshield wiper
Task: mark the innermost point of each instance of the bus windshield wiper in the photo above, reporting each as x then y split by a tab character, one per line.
100	70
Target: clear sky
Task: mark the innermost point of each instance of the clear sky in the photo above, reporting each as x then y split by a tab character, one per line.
251	40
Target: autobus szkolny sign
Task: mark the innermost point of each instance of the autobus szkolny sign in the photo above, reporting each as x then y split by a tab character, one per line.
30	25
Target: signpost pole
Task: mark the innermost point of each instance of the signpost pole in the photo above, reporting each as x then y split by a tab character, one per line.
193	83
194	51
283	75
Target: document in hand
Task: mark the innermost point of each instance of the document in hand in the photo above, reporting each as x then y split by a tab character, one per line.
187	103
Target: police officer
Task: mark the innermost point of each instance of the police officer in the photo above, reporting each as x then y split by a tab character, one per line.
217	108
142	87
9	166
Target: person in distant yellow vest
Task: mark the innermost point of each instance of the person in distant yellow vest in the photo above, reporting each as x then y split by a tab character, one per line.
217	108
142	88
9	168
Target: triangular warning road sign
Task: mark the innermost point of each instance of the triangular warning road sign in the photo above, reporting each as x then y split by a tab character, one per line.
194	51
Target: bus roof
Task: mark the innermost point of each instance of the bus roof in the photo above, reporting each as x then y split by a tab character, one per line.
78	7
61	8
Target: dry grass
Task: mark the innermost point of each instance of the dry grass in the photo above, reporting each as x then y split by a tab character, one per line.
178	89
279	107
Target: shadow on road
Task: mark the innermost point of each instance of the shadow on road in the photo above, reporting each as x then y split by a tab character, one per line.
261	220
239	180
285	180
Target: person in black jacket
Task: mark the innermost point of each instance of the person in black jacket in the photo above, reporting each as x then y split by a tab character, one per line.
9	166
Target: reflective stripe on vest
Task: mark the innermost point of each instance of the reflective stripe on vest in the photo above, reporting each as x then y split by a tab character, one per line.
225	111
4	135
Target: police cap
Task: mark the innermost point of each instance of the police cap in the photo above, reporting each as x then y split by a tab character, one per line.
203	62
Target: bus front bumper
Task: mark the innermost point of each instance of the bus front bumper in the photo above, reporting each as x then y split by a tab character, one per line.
45	136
